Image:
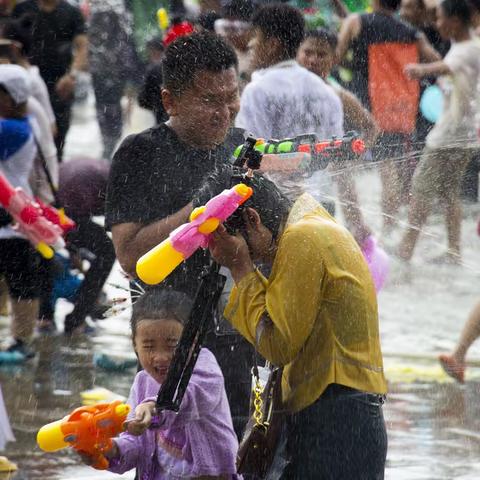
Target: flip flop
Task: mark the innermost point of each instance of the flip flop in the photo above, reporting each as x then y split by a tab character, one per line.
452	367
7	466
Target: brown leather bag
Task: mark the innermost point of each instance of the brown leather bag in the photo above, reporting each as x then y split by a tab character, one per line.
260	439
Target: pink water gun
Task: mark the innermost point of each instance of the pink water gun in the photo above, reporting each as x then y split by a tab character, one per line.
30	220
159	262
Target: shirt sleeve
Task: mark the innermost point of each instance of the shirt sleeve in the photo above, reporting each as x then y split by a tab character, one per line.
78	23
129	446
458	59
125	199
277	315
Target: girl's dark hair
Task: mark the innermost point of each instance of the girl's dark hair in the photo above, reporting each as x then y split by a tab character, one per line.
324	35
160	304
457	8
20	31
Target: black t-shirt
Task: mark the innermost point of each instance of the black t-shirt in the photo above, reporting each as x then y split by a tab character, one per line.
53	33
154	175
376	28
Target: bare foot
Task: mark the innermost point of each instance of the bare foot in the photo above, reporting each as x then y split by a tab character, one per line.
453	367
448	258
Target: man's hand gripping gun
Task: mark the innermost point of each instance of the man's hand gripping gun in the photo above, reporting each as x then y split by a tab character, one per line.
89	430
158	263
42	224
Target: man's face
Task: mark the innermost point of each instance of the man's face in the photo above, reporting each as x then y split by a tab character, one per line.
412	12
446	26
317	56
207	109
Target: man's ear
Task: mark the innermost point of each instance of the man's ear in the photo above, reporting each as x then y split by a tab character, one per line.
169	102
252	217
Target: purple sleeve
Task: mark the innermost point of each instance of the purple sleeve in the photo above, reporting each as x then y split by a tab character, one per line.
203	394
130	446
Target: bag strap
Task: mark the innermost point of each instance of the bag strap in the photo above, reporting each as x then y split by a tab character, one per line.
46	170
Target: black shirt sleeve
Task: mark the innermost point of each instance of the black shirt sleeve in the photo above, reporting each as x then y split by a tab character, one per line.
78	23
124	188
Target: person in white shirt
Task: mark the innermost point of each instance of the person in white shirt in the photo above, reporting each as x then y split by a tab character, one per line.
284	99
454	140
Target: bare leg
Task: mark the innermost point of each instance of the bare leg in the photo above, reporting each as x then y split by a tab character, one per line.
417	216
4	298
25	314
454	225
470	332
390	193
348	197
454	364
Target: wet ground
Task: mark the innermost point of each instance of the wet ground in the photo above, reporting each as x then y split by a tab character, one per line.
433	423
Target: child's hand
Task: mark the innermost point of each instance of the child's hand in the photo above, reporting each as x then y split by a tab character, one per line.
143	418
414	71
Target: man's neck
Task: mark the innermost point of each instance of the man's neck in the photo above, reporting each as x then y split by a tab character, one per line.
462	36
48	5
278	59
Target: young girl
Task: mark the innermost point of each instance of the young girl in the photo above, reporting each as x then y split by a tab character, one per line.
198	442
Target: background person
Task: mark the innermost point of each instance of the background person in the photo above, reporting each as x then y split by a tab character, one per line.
60	50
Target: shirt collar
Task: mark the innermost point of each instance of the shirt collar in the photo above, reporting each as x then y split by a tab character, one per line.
276	66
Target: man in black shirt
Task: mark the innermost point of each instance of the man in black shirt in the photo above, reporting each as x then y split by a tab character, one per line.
59	49
157	175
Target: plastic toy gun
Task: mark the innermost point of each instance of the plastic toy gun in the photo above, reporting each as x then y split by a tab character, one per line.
42	225
87	429
302	153
158	263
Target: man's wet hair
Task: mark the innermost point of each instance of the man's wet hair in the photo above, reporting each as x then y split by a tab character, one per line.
393	5
323	35
194	53
457	8
160	304
283	22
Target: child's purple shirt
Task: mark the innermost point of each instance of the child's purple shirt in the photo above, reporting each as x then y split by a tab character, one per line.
198	440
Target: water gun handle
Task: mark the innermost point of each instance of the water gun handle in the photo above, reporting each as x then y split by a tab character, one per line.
158	263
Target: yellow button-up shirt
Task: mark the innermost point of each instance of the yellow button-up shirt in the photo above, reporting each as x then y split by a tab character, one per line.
316	315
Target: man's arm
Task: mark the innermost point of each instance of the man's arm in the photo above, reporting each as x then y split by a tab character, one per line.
359	117
435	69
427	53
132	240
80	53
349	30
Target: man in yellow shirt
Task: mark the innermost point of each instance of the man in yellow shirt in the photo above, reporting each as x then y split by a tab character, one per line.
316	315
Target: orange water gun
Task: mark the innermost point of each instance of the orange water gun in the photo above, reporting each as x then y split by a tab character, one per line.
88	430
